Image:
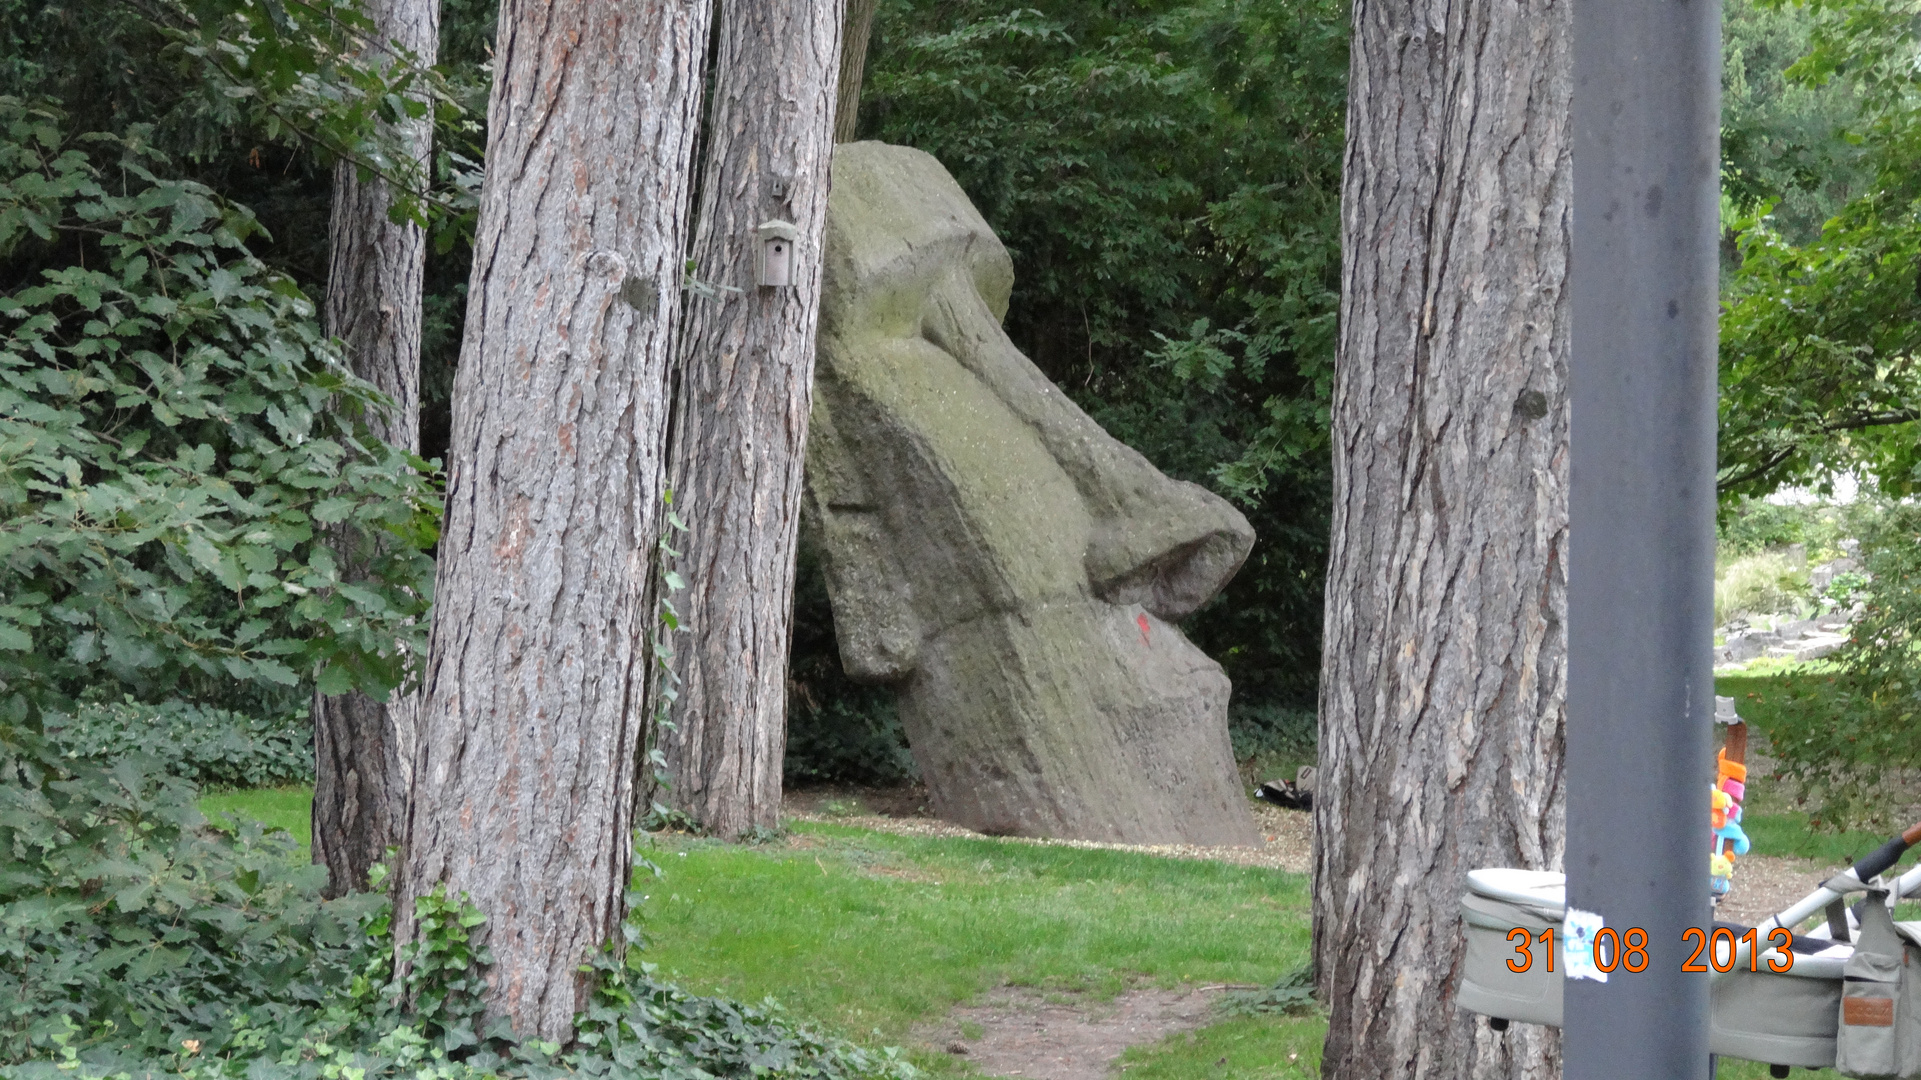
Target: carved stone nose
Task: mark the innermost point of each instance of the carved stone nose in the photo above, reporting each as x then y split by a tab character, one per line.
1170	554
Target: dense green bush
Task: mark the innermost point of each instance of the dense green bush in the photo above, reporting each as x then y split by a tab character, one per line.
1767	583
853	737
208	746
130	925
180	449
1864	727
139	941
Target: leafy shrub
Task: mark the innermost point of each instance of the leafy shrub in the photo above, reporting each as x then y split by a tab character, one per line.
1751	526
1272	729
853	738
127	921
139	941
1291	995
179	448
1841	744
211	747
1766	584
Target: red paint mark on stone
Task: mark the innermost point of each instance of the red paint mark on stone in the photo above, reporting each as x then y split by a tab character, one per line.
1141	621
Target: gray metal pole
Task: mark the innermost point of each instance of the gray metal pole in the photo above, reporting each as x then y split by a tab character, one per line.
1641	531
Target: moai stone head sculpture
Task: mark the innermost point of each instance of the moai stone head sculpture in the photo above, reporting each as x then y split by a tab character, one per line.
1010	567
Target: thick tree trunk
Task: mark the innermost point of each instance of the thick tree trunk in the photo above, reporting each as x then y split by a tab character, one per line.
746	386
523	784
363	748
1445	664
856	31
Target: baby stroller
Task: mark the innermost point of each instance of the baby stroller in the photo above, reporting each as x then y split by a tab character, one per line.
1836	997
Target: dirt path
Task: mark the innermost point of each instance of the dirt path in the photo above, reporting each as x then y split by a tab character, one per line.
1764	884
1035	1035
1020	1032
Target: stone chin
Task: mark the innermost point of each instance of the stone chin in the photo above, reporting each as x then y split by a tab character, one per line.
991	551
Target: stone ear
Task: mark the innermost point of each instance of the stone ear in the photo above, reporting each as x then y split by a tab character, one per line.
872	596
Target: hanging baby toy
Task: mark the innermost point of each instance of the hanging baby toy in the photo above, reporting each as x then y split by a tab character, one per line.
1730	785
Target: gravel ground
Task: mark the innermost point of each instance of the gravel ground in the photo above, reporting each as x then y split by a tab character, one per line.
1286	834
1764	884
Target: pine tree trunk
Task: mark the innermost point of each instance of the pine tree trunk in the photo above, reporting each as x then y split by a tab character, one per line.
363	747
747	374
1444	674
538	658
857	31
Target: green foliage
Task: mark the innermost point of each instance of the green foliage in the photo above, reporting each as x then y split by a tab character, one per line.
177	439
1819	336
1270	730
139	941
1767	583
855	737
1845	737
1750	526
209	746
837	730
130	924
1291	995
640	1026
1783	139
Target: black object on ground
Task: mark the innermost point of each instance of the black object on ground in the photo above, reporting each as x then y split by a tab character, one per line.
1284	794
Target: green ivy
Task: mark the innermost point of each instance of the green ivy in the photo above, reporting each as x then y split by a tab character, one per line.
175	436
126	922
138	941
211	747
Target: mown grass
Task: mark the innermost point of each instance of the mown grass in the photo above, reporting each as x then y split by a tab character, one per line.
289	808
871	934
874	934
1276	1048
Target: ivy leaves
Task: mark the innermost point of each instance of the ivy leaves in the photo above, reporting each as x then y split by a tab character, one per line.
175	436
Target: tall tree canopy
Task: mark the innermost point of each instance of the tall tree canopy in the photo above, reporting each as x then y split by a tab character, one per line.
1818	340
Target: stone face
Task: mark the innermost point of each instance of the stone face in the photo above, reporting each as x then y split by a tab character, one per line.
1010	567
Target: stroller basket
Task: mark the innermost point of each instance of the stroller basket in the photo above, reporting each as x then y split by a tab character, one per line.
1787	1018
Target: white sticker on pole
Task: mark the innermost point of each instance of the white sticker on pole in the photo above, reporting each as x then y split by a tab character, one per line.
1577	937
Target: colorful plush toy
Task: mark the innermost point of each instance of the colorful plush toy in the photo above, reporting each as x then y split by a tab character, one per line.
1724	813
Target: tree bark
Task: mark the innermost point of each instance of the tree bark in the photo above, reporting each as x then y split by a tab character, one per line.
538	657
858	29
740	436
363	748
1444	672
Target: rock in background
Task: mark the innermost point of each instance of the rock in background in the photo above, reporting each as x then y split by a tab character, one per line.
990	551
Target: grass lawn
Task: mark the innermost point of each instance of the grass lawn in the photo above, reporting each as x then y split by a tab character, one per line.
289	808
873	933
1771	818
1248	1047
870	934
